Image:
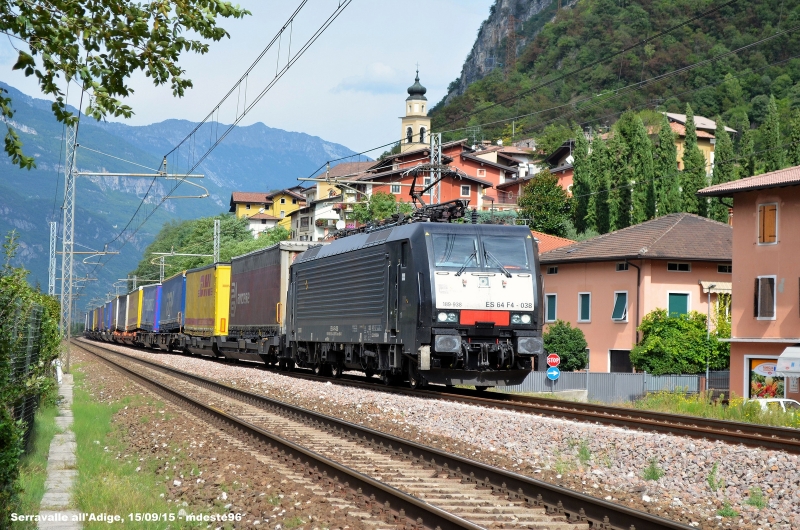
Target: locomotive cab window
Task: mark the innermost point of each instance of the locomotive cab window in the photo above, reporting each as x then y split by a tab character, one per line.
456	250
510	252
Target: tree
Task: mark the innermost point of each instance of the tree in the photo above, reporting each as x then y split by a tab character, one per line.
619	194
724	169
793	151
772	155
581	180
694	169
552	137
100	44
569	343
599	163
676	345
668	195
545	204
379	206
640	161
747	157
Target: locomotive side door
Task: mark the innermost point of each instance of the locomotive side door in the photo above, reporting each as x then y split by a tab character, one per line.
400	281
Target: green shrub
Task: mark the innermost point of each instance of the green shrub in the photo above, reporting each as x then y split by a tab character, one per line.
653	471
569	343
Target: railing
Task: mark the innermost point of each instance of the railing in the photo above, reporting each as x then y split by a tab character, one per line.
24	357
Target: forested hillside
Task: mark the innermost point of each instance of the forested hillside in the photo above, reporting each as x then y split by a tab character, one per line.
715	62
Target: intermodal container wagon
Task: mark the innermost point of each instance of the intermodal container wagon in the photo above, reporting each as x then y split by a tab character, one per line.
100	318
208	295
108	311
134	317
151	302
172	311
259	281
120	304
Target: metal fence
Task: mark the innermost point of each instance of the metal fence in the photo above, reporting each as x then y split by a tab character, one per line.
620	387
24	357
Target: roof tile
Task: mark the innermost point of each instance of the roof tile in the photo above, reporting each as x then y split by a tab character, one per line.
774	179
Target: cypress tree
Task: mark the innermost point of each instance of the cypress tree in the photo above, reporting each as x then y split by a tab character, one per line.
724	169
640	164
793	151
694	169
619	195
597	216
581	180
772	155
668	195
747	158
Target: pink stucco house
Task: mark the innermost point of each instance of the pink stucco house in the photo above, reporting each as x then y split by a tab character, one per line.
765	325
605	285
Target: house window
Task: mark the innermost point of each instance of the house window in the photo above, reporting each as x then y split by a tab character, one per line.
304	222
724	269
263	221
395	188
764	303
294	201
584	307
283	214
620	313
246	206
679	267
422	135
466	190
426	181
622	266
677	304
767	223
550	307
409	135
552	270
481	173
283	200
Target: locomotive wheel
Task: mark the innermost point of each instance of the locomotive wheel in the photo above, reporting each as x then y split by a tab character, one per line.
317	368
369	373
413	378
480	388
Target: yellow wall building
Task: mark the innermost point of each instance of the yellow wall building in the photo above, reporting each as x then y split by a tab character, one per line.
276	205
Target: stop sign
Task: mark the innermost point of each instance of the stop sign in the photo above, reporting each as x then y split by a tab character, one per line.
553	359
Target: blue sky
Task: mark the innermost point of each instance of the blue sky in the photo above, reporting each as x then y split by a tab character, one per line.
348	88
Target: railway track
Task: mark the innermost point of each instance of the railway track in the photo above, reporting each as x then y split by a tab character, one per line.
408	485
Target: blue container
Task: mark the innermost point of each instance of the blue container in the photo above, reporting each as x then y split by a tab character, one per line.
172	310
151	306
108	316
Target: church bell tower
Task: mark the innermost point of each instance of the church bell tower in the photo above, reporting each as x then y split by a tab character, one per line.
416	124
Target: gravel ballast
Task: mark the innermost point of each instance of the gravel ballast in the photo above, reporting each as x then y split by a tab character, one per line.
603	461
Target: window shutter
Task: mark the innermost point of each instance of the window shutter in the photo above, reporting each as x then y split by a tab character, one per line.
768	297
761	210
755	300
770	223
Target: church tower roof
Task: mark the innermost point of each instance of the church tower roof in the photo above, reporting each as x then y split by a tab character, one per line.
417	91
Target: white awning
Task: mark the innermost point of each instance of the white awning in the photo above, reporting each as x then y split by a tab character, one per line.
789	362
716	287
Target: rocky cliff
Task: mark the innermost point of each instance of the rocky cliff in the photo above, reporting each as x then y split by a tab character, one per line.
489	50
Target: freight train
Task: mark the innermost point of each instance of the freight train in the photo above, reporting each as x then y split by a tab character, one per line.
418	303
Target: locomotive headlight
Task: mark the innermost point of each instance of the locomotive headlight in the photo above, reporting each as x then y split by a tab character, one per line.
515	319
526	319
442	317
452	317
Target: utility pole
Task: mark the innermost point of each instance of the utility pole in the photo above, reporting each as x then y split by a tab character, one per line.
51	283
511	45
68	211
216	240
436	166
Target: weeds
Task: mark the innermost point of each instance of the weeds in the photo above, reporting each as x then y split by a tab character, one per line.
294	522
756	498
653	471
727	511
714	482
584	453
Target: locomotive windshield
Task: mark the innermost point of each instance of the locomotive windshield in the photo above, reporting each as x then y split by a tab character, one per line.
456	250
464	251
510	252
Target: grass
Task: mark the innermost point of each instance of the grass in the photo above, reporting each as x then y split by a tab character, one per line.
106	484
584	453
727	511
738	409
293	522
756	498
714	482
653	471
33	466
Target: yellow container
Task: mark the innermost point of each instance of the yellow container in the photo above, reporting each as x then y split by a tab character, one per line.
133	318
208	298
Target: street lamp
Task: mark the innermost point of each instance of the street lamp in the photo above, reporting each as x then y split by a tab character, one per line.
708	330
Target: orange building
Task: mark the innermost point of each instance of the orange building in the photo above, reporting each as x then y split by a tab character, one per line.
605	285
765	326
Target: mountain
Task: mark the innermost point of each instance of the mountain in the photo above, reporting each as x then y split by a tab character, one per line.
716	62
251	158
